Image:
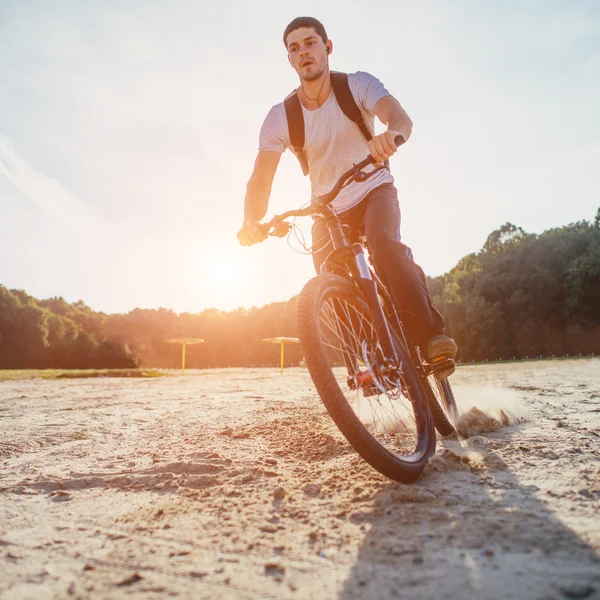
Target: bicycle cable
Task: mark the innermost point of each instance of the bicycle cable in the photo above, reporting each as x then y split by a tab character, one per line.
295	229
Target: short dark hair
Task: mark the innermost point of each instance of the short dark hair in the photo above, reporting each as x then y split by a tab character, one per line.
299	22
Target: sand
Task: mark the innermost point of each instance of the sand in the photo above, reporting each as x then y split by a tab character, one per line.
235	484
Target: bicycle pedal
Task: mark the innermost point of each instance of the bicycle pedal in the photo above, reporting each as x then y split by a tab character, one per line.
443	368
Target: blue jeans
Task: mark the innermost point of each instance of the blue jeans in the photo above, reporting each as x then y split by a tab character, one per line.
377	217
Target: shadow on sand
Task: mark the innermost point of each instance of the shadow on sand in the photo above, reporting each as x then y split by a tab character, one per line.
470	531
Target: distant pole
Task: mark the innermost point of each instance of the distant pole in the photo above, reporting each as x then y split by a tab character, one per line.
184	342
281	341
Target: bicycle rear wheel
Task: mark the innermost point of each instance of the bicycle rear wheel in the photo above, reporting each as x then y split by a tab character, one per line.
382	412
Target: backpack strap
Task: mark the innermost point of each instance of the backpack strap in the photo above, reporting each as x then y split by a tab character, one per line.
295	119
344	97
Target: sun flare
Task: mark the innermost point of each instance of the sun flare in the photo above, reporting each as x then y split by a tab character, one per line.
223	272
223	282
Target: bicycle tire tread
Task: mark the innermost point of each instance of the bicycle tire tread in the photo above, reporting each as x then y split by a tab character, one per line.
440	419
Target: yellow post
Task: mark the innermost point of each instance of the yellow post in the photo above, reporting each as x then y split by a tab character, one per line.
282	341
184	342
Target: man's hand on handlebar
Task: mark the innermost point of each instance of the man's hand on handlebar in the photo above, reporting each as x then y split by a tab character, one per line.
383	146
251	233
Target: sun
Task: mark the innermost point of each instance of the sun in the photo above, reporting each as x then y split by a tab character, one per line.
223	272
222	282
215	274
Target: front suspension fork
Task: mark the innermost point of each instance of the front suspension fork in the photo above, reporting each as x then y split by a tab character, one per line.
369	289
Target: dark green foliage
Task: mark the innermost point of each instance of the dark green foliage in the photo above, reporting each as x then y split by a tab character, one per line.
55	334
500	237
525	295
583	275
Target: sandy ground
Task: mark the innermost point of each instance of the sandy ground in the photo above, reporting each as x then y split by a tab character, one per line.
235	484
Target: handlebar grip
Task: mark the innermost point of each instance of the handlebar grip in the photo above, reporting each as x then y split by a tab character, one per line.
398	140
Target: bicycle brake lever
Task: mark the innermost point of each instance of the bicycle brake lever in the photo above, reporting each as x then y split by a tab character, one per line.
271	226
282	229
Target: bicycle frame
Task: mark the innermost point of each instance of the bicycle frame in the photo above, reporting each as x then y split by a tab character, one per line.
350	258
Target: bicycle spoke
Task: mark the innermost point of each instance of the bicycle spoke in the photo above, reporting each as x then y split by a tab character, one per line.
350	336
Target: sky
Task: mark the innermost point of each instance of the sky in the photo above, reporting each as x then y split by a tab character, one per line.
128	131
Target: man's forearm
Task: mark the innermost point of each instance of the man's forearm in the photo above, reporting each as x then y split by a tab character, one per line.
400	121
257	200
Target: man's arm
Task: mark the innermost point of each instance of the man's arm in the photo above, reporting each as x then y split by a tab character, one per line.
389	112
258	192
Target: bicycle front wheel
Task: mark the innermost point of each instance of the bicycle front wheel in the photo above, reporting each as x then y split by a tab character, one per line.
382	412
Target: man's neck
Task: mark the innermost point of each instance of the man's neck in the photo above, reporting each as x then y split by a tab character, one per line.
313	94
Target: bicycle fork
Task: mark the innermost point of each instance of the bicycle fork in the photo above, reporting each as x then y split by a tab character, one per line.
369	289
344	254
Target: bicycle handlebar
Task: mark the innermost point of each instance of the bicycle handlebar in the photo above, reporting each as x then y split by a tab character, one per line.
314	207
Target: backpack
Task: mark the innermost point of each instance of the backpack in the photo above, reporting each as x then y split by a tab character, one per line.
295	119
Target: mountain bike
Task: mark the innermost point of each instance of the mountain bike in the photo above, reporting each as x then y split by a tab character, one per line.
379	389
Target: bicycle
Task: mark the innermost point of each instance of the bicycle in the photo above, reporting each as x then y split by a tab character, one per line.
380	391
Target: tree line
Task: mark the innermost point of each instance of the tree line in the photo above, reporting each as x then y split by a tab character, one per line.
525	295
521	295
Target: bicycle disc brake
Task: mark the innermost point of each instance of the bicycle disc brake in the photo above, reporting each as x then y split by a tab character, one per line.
383	378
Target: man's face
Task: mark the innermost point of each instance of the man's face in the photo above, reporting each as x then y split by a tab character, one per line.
307	53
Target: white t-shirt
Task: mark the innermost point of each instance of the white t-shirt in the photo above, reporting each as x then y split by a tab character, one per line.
333	143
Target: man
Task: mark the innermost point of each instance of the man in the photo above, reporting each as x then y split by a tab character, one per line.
332	144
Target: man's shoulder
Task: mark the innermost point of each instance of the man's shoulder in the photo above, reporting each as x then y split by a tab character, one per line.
363	83
366	89
276	112
361	76
275	125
